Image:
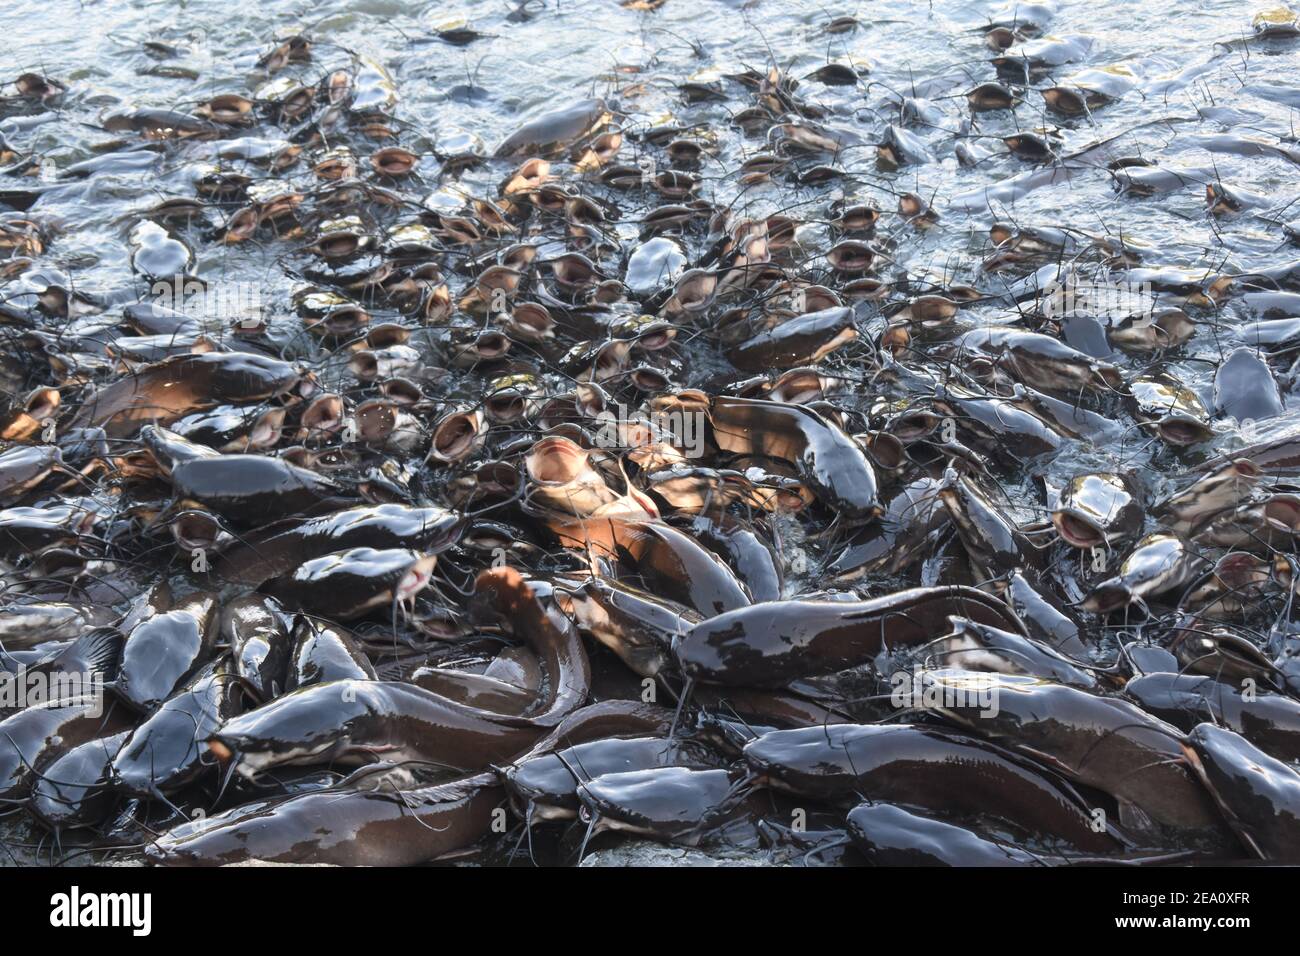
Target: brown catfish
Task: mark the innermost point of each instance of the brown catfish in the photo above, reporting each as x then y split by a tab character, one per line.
175	387
926	768
770	644
344	825
550	133
367	821
354	721
1101	742
832	465
1259	795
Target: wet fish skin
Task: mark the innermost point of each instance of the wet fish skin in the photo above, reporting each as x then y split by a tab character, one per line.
770	644
903	764
1260	796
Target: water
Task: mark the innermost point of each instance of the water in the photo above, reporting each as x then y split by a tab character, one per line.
566	51
1194	72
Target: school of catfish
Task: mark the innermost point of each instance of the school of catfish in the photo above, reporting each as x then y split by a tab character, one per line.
609	502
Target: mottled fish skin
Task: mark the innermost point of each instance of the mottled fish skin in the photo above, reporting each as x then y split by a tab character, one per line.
892	836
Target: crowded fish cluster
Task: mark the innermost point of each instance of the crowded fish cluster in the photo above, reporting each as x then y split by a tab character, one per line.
677	467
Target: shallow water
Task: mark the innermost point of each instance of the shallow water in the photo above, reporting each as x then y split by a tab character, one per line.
1195	75
566	51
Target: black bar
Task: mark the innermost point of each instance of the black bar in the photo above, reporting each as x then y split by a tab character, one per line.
293	904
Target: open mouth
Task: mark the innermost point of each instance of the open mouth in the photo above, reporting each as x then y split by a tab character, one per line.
267	431
505	406
1180	431
1076	531
323	416
1283	514
416	579
365	366
556	461
194	530
456	436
